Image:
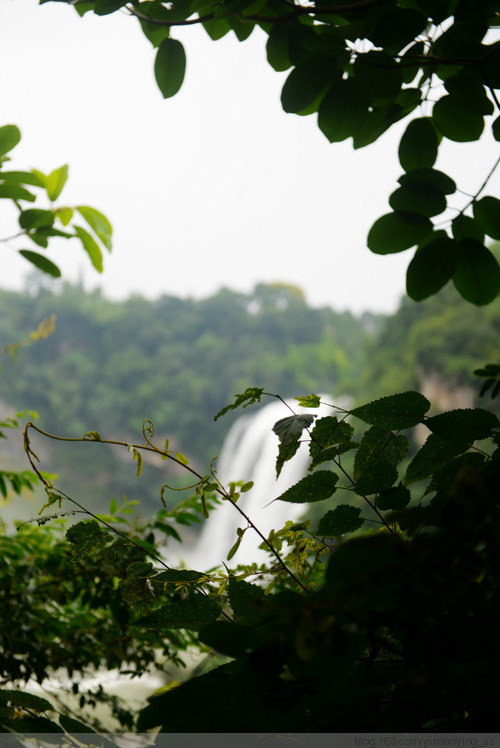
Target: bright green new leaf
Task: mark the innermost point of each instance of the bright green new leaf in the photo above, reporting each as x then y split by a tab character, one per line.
10	136
431	268
487	214
55	182
469	423
395	412
170	67
419	145
338	521
41	262
98	223
289	430
309	401
316	487
477	274
91	247
395	232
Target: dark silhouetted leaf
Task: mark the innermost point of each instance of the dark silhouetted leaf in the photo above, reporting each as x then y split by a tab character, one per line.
192	614
170	67
395	412
397	231
431	268
342	111
468	423
487	214
419	145
340	520
456	120
477	274
41	262
394	498
316	487
435	453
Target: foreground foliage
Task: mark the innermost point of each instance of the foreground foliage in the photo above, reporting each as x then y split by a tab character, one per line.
381	615
363	66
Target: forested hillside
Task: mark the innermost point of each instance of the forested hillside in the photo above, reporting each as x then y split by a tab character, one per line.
108	365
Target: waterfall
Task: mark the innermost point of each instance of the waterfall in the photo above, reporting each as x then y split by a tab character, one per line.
249	454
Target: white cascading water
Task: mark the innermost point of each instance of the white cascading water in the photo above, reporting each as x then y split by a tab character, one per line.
249	454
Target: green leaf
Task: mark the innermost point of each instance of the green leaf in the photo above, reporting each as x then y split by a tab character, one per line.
378	75
477	274
456	120
134	588
309	401
41	262
11	191
487	214
216	29
393	499
170	67
23	177
246	600
433	177
74	726
10	136
431	268
91	247
328	431
419	145
469	423
192	614
342	111
104	7
289	431
375	463
180	576
418	197
307	82
98	223
342	519
395	232
55	182
432	456
464	227
277	47
495	128
87	538
36	218
24	699
249	397
395	412
316	487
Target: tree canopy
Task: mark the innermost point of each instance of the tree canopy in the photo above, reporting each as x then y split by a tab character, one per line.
362	66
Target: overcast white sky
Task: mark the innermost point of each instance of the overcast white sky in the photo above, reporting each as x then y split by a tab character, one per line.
214	187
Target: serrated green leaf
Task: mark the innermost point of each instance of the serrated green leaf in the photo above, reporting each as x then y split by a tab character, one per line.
192	614
246	600
55	181
432	456
134	588
87	538
98	223
378	454
170	67
316	487
338	521
397	497
328	431
91	247
395	412
309	401
250	396
468	423
10	136
41	262
395	232
289	431
477	273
